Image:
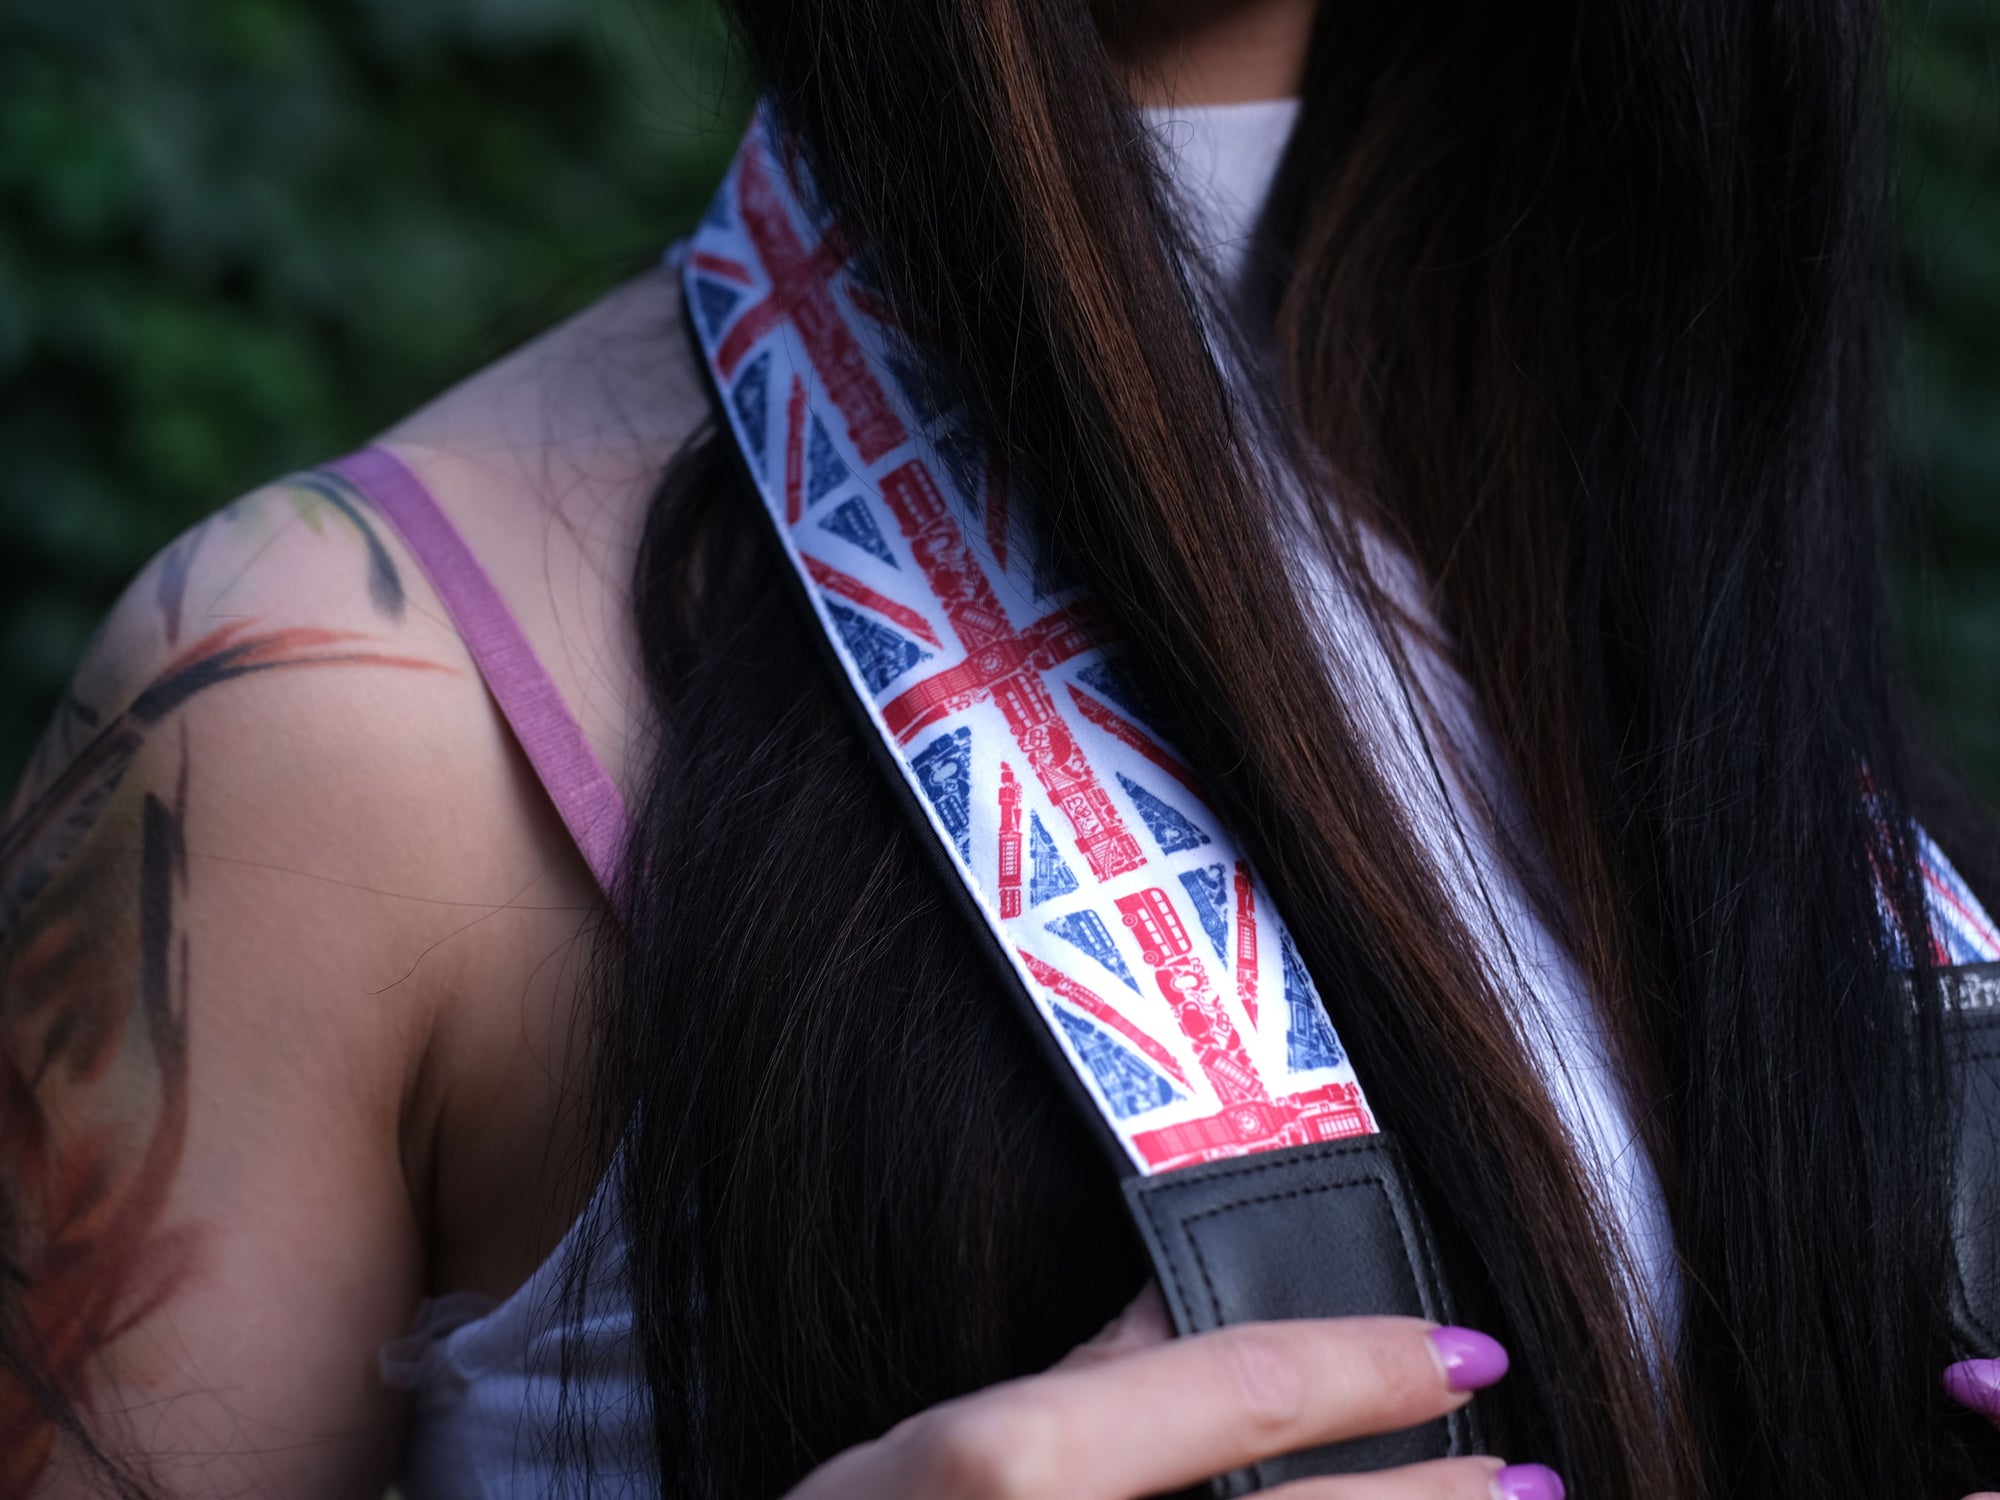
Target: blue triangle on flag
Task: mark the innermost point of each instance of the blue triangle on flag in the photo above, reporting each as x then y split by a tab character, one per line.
752	398
944	771
1048	876
1309	1038
1045	579
851	522
1208	888
715	301
1128	1084
1111	683
880	653
1171	828
717	216
1087	931
920	387
825	468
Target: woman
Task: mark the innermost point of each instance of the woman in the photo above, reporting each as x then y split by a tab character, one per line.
1483	459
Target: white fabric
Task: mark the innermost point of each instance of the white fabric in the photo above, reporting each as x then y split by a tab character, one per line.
1222	159
487	1418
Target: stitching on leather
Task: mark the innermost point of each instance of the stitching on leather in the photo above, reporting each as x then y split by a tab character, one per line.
1201	1261
1150	1201
1979	1025
1459	1423
1323	1150
1422	1254
1172	1258
1424	1266
1279	1197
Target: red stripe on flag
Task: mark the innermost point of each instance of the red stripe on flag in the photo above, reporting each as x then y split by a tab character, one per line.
1972	919
795	453
1061	984
1006	666
832	578
865	301
1103	716
800	295
717	265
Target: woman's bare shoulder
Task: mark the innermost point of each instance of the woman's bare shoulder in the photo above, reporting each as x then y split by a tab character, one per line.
547	462
290	941
219	880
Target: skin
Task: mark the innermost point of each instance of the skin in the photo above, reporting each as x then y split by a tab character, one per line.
1214	51
291	964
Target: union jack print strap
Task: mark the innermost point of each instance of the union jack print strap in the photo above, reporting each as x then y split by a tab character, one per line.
1961	931
1133	923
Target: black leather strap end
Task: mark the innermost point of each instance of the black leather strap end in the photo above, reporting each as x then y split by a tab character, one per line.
1321	1231
1972	999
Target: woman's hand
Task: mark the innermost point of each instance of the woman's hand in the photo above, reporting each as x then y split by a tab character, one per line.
1975	1385
1134	1412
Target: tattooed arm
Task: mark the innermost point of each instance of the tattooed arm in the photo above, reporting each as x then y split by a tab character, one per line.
213	1021
289	940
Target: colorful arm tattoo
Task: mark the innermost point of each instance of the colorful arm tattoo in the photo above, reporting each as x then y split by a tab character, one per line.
95	973
253	523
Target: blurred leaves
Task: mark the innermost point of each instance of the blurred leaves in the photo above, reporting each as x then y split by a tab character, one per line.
1948	111
239	236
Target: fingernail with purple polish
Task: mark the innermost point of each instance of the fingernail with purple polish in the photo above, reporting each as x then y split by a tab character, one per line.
1975	1383
1527	1482
1471	1360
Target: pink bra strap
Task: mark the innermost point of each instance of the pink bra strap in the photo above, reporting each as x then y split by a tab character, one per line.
583	792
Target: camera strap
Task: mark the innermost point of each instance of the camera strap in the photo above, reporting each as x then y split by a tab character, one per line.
1151	960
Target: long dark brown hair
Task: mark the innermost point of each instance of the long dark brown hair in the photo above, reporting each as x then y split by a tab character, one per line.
1585	305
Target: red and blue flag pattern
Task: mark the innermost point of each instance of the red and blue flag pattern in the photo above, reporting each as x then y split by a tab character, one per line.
1961	931
1144	938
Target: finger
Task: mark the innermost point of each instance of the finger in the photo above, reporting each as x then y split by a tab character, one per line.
1975	1385
1528	1482
1173	1415
1141	1325
1447	1479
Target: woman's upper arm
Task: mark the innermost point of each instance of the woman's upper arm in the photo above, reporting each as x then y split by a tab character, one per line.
215	896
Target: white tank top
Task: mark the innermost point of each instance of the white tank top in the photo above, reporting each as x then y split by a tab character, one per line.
489	1413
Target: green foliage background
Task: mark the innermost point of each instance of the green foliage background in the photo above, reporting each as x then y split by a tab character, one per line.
238	236
1948	97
